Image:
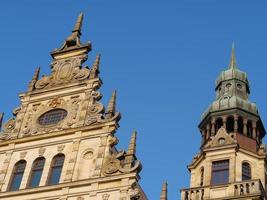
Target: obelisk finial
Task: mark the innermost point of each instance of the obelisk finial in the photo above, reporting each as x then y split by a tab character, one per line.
132	144
78	24
163	195
233	58
111	109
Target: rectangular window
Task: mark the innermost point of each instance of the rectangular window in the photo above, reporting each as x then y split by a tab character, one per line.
220	172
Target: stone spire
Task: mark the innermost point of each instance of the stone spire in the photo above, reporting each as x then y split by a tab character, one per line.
73	43
111	109
132	145
232	64
34	79
95	68
130	155
163	195
78	26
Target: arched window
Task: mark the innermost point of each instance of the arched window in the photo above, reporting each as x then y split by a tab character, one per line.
230	124
249	126
240	125
36	172
246	171
55	170
218	124
17	175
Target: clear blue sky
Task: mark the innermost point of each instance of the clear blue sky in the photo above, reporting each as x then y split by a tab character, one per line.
162	56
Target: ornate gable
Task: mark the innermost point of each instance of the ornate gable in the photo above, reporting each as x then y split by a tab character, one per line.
221	138
67	98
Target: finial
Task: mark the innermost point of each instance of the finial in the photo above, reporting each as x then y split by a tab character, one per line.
130	155
132	145
1	119
233	58
111	109
78	24
34	79
164	191
95	68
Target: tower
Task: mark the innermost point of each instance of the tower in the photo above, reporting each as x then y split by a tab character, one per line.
61	142
231	161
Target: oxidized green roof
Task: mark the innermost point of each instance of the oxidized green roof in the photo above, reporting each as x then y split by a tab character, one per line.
232	89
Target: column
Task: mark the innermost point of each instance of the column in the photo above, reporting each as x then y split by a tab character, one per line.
224	122
208	131
235	123
245	128
213	126
203	137
254	127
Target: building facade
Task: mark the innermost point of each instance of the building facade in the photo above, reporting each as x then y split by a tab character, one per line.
60	143
231	163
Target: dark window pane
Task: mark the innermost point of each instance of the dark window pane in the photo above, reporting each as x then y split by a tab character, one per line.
52	116
36	173
56	168
220	172
17	175
35	179
55	175
246	171
16	182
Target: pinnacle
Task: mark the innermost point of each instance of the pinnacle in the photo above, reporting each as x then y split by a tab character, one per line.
163	195
111	109
78	24
97	62
232	64
132	145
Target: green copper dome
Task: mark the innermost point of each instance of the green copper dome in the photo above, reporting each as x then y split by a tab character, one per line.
232	90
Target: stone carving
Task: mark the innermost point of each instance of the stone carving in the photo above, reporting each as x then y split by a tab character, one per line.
23	155
111	165
115	163
55	102
65	71
41	151
221	138
96	111
105	196
80	198
134	192
60	148
75	103
88	155
10	125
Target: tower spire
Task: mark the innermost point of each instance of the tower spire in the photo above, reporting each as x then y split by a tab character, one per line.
78	25
111	109
163	195
233	58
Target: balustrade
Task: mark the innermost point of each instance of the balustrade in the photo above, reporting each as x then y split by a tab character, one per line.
250	187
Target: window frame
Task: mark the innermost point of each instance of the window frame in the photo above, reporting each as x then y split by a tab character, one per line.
223	169
48	115
35	170
248	177
52	167
14	173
